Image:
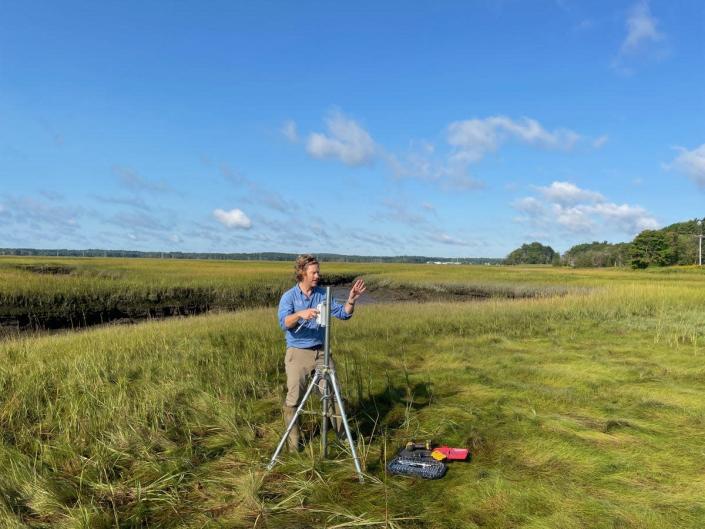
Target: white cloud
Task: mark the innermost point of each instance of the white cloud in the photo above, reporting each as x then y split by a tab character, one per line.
468	142
565	193
629	219
290	131
641	28
345	140
691	163
444	238
529	205
472	139
565	207
460	181
235	218
574	219
643	39
600	141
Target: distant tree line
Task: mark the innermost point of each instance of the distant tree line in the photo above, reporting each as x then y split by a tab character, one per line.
676	244
259	256
597	254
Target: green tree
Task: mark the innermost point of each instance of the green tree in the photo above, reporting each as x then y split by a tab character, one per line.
654	248
597	254
533	253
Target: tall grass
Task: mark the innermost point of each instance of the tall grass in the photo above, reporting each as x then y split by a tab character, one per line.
43	292
583	410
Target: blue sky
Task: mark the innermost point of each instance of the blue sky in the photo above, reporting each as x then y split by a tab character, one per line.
378	128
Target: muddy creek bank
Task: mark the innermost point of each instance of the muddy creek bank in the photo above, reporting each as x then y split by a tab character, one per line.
79	315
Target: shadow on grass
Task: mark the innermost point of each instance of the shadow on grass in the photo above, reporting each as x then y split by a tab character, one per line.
391	407
388	409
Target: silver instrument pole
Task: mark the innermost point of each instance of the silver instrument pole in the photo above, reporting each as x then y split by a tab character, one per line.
326	380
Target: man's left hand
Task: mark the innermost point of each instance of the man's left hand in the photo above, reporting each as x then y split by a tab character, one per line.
356	291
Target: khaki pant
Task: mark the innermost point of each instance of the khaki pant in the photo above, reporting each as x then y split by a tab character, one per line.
300	365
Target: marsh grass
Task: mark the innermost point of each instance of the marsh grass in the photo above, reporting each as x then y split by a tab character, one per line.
43	293
582	410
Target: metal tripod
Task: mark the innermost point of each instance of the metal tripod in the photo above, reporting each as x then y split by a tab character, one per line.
327	375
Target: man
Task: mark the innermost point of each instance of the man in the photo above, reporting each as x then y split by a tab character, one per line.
304	337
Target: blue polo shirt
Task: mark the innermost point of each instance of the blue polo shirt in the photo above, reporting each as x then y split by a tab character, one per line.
309	333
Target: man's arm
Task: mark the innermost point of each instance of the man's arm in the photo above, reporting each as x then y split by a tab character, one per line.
291	320
288	317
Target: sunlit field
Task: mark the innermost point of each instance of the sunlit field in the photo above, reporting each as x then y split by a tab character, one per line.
581	395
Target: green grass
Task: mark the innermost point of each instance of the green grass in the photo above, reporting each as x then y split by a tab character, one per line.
71	292
581	410
43	292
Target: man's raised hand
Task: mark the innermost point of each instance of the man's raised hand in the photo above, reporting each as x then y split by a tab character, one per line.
356	291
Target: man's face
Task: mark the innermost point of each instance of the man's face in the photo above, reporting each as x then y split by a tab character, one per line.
312	275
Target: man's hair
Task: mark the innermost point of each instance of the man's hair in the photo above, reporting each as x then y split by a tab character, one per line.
302	261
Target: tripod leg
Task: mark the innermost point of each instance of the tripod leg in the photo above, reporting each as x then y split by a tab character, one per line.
325	398
344	418
312	385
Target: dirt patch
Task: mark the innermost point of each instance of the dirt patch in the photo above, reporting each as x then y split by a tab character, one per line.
50	269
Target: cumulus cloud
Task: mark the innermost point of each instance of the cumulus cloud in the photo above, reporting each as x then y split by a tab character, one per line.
419	163
566	193
468	141
568	208
692	163
641	28
529	205
629	219
235	218
344	140
472	139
